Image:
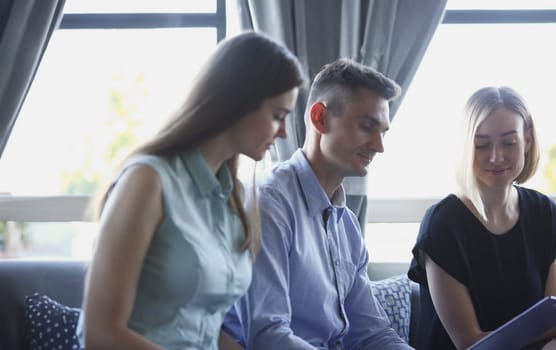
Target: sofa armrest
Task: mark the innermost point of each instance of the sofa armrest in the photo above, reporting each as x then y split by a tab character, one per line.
415	310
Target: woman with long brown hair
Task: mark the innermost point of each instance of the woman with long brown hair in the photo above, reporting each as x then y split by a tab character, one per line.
175	244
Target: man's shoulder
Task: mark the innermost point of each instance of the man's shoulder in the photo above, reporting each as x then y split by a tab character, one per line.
281	176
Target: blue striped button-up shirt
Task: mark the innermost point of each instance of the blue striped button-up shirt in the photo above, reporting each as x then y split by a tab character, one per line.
310	288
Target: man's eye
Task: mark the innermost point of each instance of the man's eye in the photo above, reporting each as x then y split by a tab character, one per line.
279	117
366	127
481	145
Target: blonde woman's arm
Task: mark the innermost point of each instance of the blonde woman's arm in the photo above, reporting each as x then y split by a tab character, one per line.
453	305
129	219
550	290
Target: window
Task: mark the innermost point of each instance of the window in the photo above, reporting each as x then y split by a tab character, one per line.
463	57
109	77
117	69
100	90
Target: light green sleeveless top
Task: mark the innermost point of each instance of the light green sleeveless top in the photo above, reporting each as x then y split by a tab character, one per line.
193	270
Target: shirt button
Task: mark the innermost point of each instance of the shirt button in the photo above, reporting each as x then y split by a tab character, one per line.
337	263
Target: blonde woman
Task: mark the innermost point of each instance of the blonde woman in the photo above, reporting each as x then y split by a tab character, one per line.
487	253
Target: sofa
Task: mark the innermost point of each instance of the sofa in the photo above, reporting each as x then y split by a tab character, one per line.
398	295
62	281
39	301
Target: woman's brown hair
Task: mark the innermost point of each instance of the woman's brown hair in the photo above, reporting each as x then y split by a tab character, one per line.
243	71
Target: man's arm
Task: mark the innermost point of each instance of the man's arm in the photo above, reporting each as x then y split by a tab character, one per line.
268	295
369	324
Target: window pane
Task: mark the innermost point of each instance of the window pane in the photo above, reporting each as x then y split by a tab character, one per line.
390	242
139	6
419	148
97	93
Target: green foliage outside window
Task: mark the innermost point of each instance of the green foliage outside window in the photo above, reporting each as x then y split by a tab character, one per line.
120	129
550	169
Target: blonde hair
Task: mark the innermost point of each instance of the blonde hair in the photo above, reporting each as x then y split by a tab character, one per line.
479	106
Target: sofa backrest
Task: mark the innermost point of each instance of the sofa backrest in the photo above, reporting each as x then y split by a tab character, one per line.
60	280
63	281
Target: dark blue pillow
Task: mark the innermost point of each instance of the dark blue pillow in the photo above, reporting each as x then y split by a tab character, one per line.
50	325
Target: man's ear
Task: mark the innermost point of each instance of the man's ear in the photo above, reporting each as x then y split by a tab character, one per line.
317	113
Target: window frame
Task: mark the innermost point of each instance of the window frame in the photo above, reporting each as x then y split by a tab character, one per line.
216	20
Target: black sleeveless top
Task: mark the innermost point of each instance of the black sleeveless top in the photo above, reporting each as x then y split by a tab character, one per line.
504	274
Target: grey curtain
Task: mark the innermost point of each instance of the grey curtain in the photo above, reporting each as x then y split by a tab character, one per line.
25	29
389	35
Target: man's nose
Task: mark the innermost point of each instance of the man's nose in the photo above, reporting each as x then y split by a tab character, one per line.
281	131
376	142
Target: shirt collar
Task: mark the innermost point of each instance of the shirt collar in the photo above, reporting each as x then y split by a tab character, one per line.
204	179
316	199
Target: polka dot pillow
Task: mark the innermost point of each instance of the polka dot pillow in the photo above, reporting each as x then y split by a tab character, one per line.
394	295
50	325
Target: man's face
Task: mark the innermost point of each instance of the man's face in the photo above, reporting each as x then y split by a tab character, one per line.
354	137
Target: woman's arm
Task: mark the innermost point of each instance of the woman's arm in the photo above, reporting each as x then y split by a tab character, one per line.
129	219
453	306
550	290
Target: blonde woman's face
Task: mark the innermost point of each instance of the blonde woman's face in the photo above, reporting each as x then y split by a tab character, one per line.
257	131
500	146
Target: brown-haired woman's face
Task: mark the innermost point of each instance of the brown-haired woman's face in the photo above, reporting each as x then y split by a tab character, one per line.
500	145
257	131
